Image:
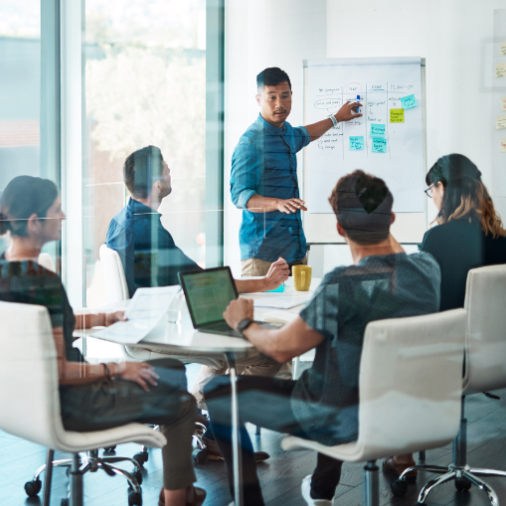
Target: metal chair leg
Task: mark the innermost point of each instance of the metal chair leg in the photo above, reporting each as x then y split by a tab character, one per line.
434	483
76	488
371	484
492	496
49	477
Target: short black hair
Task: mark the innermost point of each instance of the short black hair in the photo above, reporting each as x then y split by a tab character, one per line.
22	197
272	76
142	169
363	206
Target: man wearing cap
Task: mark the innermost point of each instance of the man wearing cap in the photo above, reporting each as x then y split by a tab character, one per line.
264	176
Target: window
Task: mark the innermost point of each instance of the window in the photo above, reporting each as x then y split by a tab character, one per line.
144	83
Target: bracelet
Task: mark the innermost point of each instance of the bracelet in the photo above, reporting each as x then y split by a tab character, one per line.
333	119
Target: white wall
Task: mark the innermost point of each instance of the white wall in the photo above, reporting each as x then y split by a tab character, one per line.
451	34
260	34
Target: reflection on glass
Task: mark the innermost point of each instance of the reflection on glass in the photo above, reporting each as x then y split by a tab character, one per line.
145	84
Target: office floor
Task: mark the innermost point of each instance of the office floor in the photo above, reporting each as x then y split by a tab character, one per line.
280	476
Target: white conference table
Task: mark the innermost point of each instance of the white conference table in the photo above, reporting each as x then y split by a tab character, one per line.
181	338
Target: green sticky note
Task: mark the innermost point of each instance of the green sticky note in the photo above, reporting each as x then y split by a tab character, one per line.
396	115
356	143
408	102
379	145
377	130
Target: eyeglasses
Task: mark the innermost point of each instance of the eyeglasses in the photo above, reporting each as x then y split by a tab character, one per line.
428	191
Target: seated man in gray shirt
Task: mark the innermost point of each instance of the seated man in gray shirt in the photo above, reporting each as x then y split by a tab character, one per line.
383	282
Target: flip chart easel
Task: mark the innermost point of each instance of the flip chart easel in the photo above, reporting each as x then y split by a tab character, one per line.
388	141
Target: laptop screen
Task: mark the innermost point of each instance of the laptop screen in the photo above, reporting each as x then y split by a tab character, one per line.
208	293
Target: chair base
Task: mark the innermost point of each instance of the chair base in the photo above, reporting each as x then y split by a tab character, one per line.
464	477
78	466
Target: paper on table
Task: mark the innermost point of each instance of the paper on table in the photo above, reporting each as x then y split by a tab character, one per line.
279	317
503	145
277	302
503	48
500	70
396	115
379	145
147	307
408	102
501	122
356	142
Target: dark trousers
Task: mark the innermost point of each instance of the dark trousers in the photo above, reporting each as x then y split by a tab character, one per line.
264	402
104	404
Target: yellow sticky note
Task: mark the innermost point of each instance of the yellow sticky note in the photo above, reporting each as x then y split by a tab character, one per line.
500	70
504	103
396	115
501	122
503	145
503	48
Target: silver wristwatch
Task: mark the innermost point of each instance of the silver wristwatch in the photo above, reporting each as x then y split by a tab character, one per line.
334	120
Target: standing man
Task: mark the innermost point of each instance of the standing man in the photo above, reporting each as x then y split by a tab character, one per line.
264	176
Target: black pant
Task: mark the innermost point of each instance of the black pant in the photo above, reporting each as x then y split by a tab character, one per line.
104	404
265	402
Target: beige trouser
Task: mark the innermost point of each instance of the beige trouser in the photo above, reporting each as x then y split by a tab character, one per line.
254	364
257	267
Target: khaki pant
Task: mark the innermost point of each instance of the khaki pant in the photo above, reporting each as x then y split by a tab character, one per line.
257	267
254	364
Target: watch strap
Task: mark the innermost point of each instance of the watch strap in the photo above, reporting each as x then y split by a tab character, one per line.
244	324
334	120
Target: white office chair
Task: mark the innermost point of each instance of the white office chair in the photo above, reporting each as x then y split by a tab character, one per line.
46	261
30	401
410	388
485	370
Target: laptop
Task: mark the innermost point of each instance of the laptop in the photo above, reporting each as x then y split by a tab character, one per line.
208	293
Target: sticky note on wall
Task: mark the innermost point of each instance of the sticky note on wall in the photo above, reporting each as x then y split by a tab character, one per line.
356	142
503	145
379	145
501	122
504	103
502	48
500	70
396	115
408	102
377	130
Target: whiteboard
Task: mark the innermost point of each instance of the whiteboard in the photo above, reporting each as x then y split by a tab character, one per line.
381	83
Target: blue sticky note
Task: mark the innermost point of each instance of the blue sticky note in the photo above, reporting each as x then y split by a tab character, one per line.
356	143
408	102
280	288
377	130
379	145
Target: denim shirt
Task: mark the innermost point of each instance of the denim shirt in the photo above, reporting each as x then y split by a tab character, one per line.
264	162
148	252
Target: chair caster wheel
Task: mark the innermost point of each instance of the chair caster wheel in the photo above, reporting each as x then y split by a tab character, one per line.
200	456
110	449
138	476
141	458
32	488
134	498
462	484
399	488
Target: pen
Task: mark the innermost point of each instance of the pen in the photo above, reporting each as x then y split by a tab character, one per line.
358	100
